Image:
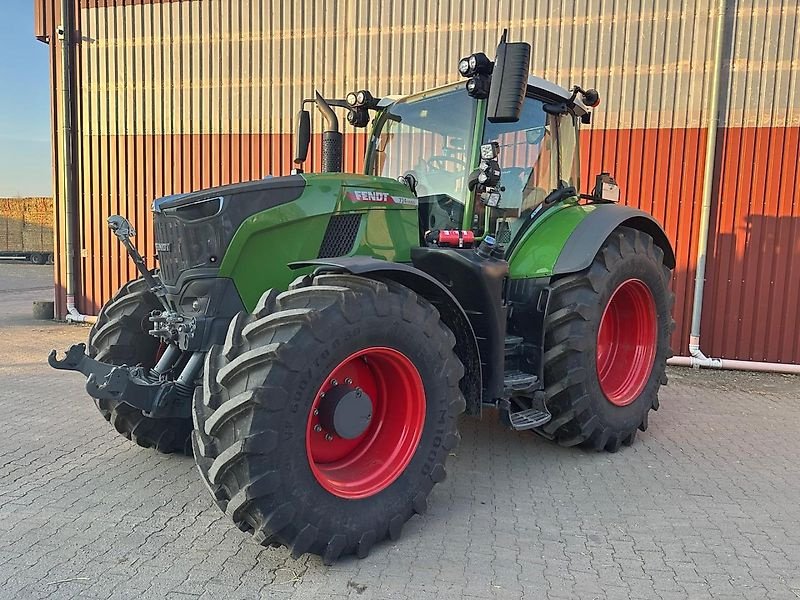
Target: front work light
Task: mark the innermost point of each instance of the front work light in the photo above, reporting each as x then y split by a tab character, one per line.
490	150
478	86
489	175
361	98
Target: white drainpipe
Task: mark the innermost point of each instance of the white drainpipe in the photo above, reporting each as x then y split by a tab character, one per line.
73	314
735	365
697	359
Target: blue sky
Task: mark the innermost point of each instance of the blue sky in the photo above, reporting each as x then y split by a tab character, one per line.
25	155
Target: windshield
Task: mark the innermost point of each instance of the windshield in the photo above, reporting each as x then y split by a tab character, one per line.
430	137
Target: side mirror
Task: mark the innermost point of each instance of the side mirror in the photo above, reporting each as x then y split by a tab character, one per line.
509	81
302	136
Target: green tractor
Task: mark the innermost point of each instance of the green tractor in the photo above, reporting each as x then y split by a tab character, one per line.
314	338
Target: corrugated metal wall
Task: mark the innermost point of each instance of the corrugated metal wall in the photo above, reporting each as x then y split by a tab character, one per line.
174	96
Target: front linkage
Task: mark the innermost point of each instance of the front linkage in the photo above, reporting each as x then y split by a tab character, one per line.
147	390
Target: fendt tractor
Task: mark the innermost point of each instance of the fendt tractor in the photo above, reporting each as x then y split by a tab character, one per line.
314	338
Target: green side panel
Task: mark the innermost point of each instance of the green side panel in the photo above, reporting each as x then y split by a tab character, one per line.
537	253
267	241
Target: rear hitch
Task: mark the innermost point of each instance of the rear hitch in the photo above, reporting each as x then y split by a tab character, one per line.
135	386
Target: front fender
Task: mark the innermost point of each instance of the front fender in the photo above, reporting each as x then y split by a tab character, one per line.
450	311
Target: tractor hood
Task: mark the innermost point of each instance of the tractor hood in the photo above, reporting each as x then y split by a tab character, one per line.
278	189
193	231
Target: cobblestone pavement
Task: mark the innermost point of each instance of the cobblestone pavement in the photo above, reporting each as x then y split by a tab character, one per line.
705	504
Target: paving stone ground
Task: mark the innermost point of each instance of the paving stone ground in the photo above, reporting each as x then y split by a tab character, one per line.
704	505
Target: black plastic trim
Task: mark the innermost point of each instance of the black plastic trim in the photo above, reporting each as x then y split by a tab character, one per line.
218	303
587	238
477	283
528	301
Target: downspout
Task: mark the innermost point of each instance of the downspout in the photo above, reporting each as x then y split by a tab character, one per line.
68	183
696	357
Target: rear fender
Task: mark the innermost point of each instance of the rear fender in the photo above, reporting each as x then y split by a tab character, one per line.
450	311
567	238
592	232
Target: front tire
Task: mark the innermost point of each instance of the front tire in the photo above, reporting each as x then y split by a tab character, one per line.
119	337
271	459
606	344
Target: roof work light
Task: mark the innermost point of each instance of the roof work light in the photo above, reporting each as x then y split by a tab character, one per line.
477	67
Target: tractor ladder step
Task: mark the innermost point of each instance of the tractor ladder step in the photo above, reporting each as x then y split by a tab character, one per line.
517	382
523	391
529	418
513	345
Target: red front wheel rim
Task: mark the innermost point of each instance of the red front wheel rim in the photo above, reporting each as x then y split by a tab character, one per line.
626	342
365	465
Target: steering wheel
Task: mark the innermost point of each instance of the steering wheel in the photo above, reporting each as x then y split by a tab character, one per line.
440	160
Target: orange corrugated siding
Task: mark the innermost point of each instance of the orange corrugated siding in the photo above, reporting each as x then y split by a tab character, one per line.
174	96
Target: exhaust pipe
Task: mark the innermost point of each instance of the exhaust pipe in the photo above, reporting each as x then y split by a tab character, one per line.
331	137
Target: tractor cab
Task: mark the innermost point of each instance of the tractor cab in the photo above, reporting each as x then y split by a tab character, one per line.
440	141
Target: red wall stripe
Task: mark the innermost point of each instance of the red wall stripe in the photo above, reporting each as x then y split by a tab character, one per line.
752	308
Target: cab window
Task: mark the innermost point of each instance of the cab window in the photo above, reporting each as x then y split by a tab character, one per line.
528	157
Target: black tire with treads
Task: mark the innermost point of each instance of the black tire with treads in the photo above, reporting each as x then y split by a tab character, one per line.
251	412
119	337
581	412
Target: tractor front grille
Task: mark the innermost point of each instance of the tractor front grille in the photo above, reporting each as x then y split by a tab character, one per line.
182	244
340	236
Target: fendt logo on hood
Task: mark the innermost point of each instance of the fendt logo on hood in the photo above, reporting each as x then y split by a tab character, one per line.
379	197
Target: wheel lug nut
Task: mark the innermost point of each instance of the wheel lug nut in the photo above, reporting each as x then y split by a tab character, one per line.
348	381
334	382
328	437
316	411
317	427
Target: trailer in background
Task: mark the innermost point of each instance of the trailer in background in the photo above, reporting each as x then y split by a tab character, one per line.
26	229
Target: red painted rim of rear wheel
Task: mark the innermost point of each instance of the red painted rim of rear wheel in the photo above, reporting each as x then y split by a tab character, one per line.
362	467
626	342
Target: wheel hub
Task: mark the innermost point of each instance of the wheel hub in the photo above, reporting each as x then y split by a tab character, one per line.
345	411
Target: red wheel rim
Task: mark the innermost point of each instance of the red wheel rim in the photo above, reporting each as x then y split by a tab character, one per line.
369	463
626	342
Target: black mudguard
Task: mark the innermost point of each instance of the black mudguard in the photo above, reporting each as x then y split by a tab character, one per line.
436	293
587	238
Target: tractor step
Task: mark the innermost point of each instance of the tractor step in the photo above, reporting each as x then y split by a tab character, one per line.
528	419
517	382
513	345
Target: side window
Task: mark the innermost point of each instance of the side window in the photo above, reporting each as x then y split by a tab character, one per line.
527	157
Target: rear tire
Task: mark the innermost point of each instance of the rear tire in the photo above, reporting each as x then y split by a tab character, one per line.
256	436
38	259
119	337
599	395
